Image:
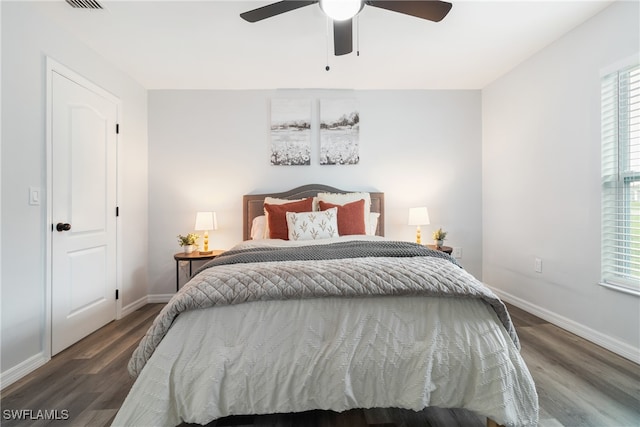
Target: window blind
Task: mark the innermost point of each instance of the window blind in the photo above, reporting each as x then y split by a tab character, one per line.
621	178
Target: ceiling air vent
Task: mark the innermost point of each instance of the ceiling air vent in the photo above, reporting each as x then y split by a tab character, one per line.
85	4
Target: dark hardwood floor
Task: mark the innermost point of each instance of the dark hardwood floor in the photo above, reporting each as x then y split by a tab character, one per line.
579	384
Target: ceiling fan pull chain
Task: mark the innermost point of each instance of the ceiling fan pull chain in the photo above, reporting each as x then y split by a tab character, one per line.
327	42
357	35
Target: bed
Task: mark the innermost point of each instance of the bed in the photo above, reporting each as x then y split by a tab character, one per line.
335	322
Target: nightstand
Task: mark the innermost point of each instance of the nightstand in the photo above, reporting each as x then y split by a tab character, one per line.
445	249
193	256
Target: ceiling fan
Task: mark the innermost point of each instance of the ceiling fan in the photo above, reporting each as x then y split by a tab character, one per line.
343	11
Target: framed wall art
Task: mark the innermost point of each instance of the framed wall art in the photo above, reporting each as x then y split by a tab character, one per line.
339	132
290	132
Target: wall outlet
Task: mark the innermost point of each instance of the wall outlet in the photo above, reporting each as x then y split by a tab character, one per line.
537	266
457	252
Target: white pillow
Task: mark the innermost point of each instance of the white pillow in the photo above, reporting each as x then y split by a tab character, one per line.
344	198
373	223
313	225
274	201
257	227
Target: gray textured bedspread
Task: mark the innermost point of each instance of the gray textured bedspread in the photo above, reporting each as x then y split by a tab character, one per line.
347	269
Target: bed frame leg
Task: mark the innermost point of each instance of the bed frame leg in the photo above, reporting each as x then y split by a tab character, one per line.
491	423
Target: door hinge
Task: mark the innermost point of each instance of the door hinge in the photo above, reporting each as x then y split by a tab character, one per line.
117	210
117	295
117	128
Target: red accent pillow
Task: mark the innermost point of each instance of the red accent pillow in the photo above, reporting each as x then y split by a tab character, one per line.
350	217
278	216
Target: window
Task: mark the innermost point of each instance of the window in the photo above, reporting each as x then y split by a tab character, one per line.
621	179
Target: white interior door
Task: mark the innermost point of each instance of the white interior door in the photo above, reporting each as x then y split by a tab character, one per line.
83	209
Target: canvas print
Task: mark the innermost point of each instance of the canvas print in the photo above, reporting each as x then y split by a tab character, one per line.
339	132
290	132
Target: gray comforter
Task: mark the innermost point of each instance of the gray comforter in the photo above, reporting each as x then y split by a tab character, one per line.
347	269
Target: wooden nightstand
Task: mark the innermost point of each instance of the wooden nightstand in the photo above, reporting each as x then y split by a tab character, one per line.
445	249
193	256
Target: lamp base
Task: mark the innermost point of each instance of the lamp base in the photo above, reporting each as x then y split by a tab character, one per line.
206	252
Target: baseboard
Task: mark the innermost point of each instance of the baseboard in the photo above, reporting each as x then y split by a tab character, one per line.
149	299
620	348
159	298
12	375
130	308
15	373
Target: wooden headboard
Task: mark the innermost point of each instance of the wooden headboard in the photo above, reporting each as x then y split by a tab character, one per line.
252	204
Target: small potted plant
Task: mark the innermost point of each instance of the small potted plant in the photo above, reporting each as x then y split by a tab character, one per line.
188	242
438	237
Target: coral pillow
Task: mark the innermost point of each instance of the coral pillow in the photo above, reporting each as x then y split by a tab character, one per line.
350	217
277	216
344	198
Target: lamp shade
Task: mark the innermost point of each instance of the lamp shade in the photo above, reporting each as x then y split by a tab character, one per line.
206	221
418	216
340	10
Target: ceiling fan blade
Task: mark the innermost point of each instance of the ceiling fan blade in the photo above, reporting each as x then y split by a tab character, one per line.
274	9
432	10
343	37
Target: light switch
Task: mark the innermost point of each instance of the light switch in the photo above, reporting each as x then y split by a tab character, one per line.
34	196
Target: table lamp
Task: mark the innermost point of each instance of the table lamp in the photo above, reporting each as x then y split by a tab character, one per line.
206	221
418	216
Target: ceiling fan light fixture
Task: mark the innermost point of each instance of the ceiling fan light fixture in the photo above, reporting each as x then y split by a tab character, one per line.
341	10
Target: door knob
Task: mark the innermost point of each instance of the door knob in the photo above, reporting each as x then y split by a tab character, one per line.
63	226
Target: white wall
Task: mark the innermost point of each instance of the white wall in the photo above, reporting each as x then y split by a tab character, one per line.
27	39
511	173
541	182
208	148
